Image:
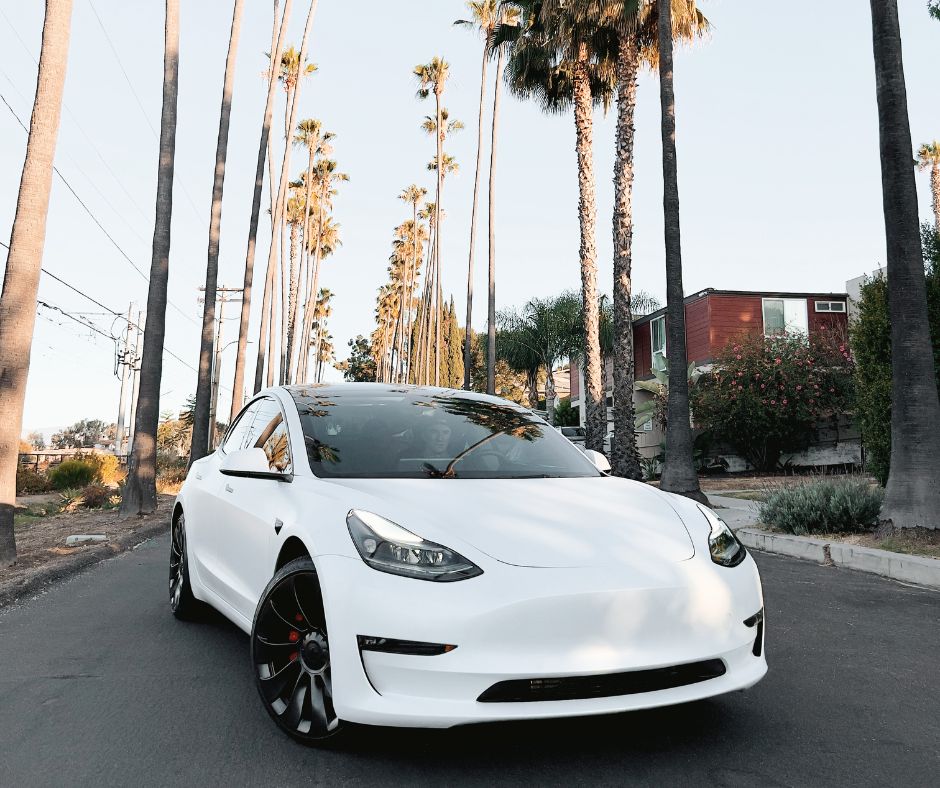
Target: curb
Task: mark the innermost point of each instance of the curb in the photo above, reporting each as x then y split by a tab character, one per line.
913	569
78	562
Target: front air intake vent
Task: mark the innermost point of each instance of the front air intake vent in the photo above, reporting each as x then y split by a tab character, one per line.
602	686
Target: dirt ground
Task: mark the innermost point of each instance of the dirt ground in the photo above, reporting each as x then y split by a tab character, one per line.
725	483
40	540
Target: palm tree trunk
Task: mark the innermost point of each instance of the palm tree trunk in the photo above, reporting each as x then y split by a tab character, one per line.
532	384
290	348
286	262
277	39
411	288
437	255
24	260
550	395
140	491
491	278
308	193
424	311
678	472
935	191
264	332
912	495
199	446
317	261
290	122
473	221
596	419
625	459
272	327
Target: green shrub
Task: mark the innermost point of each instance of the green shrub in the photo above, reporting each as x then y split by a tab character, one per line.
73	473
829	506
30	481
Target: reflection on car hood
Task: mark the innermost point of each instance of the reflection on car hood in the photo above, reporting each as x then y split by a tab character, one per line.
579	522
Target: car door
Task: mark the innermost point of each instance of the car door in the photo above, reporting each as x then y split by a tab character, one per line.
207	505
254	509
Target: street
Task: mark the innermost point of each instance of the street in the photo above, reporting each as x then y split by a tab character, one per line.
102	686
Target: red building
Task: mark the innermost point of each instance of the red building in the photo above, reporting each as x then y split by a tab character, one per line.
712	319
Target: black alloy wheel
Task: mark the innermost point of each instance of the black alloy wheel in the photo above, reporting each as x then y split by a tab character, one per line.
182	602
290	655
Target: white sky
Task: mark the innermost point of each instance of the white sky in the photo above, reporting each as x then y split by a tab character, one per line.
778	162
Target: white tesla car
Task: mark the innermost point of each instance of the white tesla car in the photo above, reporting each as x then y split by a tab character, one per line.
418	556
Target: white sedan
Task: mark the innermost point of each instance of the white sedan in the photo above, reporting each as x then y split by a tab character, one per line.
426	557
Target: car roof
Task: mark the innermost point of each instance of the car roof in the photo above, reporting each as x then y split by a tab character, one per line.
366	390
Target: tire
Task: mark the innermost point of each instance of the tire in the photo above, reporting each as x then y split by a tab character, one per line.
290	656
184	605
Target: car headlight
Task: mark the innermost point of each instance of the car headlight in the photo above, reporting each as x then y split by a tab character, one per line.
388	547
723	545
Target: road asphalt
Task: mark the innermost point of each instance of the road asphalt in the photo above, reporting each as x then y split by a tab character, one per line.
100	685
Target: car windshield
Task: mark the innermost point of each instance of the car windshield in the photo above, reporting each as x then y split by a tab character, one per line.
421	434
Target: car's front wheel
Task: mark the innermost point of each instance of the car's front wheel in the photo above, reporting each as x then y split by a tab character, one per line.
290	655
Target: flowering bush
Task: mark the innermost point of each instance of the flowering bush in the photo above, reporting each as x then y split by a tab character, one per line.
764	395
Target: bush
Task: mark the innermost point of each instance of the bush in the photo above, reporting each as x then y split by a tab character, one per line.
107	467
171	473
97	496
765	395
73	473
831	506
30	481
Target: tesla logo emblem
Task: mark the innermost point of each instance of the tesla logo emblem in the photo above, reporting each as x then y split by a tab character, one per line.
278	525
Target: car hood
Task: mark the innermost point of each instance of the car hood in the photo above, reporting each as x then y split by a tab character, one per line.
580	522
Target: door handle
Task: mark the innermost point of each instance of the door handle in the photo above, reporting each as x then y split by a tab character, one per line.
228	488
278	525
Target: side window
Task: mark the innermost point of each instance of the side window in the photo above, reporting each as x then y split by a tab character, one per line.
269	432
658	343
235	439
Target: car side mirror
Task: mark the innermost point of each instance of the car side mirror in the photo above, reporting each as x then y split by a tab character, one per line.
251	464
598	460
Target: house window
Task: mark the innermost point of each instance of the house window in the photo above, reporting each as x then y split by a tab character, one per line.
785	316
830	306
658	343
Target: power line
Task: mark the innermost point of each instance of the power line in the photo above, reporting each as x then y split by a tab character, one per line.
95	218
85	323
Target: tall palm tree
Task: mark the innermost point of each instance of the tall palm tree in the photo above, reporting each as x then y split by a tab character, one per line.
291	67
413	195
140	491
564	62
912	495
325	241
277	37
679	474
199	446
508	17
24	260
483	18
295	215
432	77
928	157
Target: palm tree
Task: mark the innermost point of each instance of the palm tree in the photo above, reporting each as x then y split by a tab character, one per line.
912	495
432	78
290	69
928	157
484	15
295	214
140	491
564	61
508	18
24	260
238	385
325	241
413	195
199	446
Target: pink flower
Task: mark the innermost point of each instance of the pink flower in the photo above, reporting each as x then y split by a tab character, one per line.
763	386
738	357
799	388
773	402
783	402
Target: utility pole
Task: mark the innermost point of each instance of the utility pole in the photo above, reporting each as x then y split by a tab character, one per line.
134	362
222	298
121	369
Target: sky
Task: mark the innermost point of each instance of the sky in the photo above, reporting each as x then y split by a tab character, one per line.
777	147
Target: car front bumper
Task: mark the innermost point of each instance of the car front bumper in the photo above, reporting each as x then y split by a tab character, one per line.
518	623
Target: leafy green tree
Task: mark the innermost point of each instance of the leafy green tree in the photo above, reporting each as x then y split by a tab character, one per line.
83	434
933	6
871	346
565	415
37	440
455	371
360	366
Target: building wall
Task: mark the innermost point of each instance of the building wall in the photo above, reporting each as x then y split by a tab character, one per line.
642	351
697	322
730	316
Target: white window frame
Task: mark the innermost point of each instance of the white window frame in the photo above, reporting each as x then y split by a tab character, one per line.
826	307
653	351
804	330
